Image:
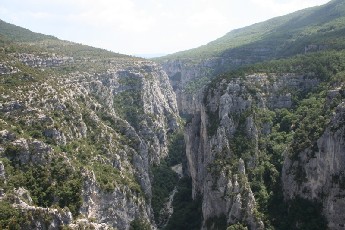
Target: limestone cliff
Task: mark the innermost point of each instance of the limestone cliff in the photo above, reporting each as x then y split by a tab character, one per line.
99	122
184	72
317	172
189	75
224	142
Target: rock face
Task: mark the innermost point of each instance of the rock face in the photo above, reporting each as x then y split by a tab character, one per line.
5	68
44	60
323	169
115	208
42	218
108	124
194	73
180	73
230	110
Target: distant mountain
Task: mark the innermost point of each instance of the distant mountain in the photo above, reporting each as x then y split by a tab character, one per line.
315	29
19	39
153	55
322	26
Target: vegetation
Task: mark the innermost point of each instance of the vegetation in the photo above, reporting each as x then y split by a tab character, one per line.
164	178
194	86
298	213
187	212
140	224
292	130
322	26
19	34
237	227
176	148
164	182
53	184
10	217
128	103
40	106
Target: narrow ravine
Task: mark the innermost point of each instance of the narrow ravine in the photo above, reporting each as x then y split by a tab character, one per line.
168	209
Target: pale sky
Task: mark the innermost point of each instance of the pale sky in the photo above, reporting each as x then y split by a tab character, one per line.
143	26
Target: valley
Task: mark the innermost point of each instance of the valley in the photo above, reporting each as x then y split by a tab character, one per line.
246	132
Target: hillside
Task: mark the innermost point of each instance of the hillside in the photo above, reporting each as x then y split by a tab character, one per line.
278	37
80	130
315	29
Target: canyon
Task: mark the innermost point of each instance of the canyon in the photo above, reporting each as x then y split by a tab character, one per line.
241	135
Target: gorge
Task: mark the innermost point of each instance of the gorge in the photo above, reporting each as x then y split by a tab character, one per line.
254	122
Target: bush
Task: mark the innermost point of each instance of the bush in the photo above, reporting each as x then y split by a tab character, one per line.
56	183
10	217
12	150
140	224
237	227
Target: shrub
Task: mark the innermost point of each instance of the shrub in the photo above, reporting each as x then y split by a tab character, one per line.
10	217
140	224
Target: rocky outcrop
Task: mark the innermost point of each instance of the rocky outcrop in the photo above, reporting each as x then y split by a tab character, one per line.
217	169
113	208
44	60
153	116
5	68
318	172
38	217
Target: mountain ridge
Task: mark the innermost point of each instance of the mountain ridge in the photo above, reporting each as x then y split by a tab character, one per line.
315	29
242	36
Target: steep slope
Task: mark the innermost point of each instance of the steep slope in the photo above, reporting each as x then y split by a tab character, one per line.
80	128
310	30
276	36
12	32
265	149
